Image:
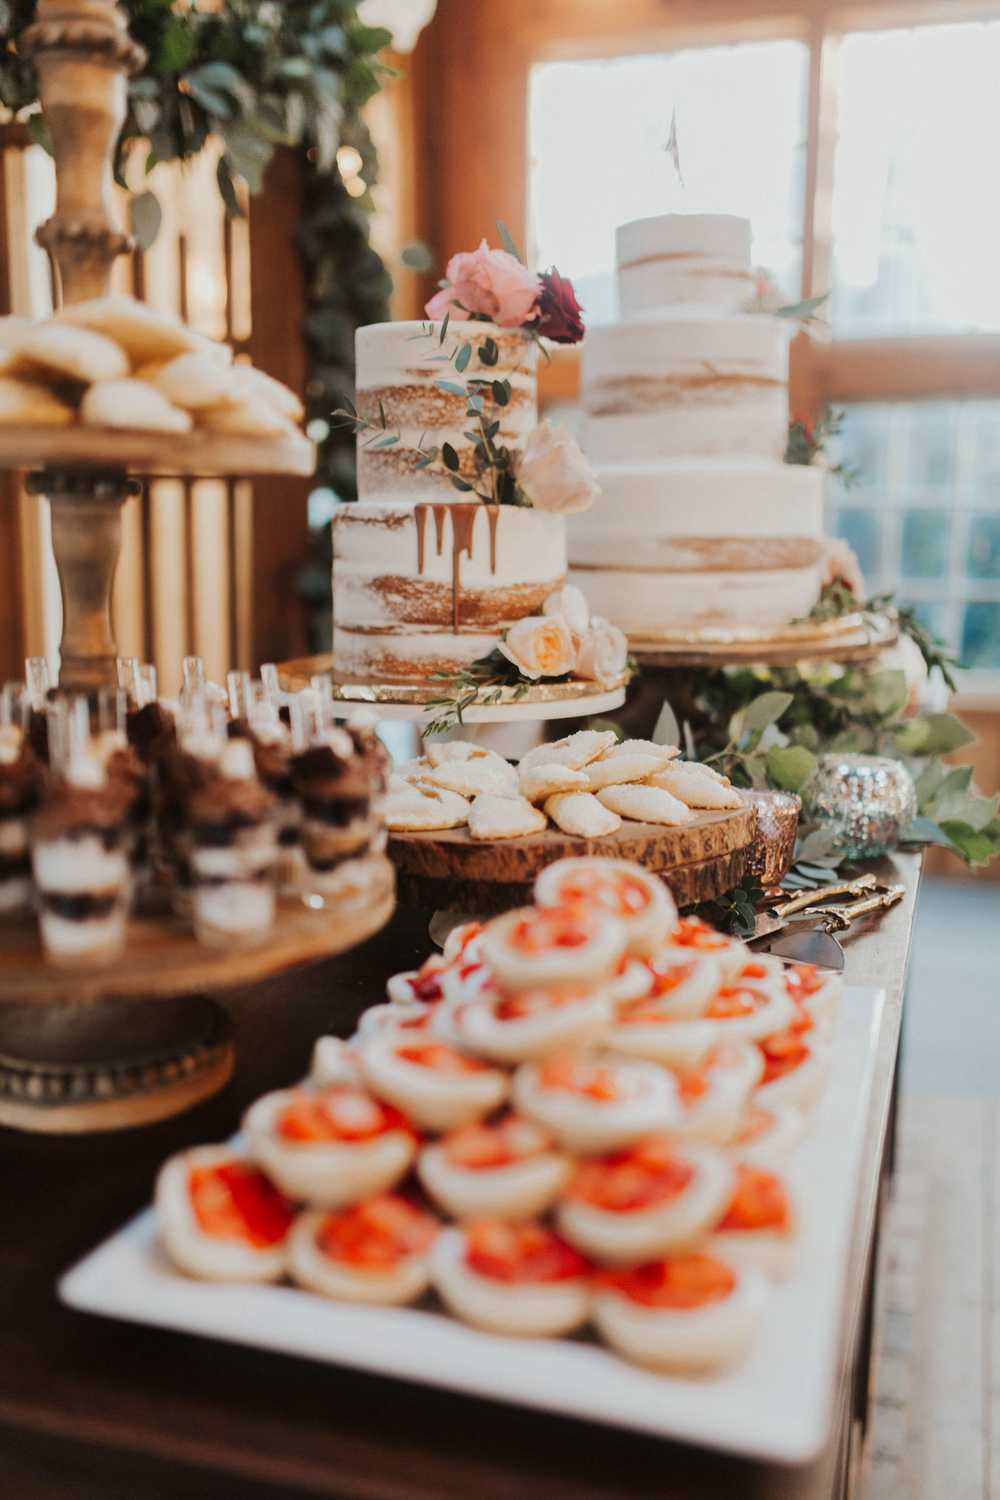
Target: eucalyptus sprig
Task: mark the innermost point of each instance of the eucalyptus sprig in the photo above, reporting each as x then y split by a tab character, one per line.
486	681
807	443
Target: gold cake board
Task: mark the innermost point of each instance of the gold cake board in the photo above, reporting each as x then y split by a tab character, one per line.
849	639
414	701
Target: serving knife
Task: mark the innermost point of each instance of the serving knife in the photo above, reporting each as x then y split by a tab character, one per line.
817	944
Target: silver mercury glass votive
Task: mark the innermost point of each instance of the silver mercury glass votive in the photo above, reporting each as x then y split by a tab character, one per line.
867	801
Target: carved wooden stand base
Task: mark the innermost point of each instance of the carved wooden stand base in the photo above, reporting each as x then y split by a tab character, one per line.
60	1075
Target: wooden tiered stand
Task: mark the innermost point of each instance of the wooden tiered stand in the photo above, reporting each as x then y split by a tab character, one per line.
136	1041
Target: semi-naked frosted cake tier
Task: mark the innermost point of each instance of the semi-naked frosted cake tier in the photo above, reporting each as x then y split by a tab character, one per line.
685	387
684	260
651	604
399	367
699	513
421	588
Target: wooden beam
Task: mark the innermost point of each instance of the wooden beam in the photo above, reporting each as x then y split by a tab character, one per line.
280	519
12	650
941	367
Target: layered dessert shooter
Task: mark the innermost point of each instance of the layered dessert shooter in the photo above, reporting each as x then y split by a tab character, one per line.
21	780
233	851
79	851
341	824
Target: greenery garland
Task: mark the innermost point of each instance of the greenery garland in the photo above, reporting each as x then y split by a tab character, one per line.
259	74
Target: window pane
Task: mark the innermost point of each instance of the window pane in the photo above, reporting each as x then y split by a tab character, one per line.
925	543
861	529
598	132
926	530
981	635
983	559
916	231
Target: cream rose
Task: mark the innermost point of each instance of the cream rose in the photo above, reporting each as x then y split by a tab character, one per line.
540	646
554	474
840	561
569	604
906	657
602	653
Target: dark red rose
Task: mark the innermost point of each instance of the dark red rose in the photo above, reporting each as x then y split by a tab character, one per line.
560	316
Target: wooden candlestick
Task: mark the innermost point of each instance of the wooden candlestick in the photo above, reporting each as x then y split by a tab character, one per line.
83	53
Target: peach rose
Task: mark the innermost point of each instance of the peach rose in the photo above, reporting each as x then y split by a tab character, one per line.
840	561
569	604
491	283
540	646
602	654
554	474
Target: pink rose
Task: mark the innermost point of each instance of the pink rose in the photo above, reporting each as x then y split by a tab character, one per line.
602	654
540	646
491	283
839	562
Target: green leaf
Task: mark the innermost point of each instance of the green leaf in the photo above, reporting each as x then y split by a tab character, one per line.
416	256
966	807
977	847
370	38
460	484
508	241
501	392
790	767
450	458
444	327
38	129
462	358
489	352
765	710
803	310
147	217
924	831
451	386
887	692
817	844
222	77
945	733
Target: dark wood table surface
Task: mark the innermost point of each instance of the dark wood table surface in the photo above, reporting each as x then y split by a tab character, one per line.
91	1409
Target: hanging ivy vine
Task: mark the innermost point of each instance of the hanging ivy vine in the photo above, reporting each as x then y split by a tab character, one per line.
259	75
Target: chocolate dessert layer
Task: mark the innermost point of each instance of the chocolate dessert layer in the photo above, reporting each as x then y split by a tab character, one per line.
222	806
336	811
15	866
80	907
151	731
81	812
21	785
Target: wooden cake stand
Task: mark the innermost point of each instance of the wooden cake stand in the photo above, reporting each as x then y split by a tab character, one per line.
451	871
852	638
78	1052
82	1051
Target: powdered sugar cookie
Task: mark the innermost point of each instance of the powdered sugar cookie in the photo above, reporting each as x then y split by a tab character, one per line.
249	382
646	804
72	353
484	772
142	332
251	416
697	785
575	750
438	751
581	814
619	767
541	781
647	747
24	404
417	810
497	817
131	405
193	381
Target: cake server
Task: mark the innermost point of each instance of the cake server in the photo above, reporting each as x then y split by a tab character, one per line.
817	944
776	915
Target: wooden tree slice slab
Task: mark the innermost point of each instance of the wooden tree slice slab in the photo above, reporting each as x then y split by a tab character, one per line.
851	639
453	871
162	958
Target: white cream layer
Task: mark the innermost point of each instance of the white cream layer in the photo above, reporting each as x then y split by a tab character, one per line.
644	508
646	603
695	259
686	387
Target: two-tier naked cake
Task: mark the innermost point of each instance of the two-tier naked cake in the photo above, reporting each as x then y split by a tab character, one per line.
424	581
701	526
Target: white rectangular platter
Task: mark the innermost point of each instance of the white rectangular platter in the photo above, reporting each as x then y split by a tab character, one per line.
777	1405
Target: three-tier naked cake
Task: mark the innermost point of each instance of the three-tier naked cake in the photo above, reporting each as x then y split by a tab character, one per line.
425	582
701	526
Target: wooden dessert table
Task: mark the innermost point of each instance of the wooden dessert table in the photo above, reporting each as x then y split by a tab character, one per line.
93	1408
